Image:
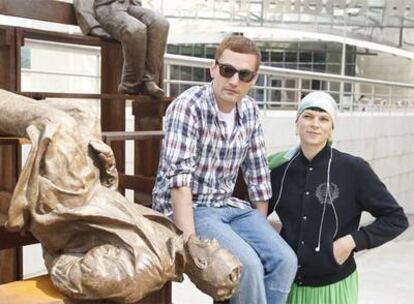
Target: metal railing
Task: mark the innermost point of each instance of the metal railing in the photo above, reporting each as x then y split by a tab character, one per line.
276	88
280	88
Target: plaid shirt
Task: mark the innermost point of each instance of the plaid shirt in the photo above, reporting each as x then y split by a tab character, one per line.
198	153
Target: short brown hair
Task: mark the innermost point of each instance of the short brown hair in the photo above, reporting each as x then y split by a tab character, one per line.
239	44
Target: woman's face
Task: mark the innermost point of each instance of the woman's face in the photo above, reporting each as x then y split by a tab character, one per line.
314	128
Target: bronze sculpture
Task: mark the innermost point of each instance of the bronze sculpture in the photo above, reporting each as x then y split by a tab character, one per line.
142	33
97	245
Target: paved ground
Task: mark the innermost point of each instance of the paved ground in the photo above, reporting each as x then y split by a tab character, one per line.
386	275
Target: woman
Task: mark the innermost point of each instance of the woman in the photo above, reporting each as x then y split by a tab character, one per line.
319	194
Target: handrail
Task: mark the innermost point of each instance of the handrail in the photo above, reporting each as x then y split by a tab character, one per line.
359	93
204	63
44	10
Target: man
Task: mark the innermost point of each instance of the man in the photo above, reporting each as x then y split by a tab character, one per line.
142	33
210	132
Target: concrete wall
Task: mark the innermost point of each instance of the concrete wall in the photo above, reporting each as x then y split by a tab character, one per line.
385	67
385	140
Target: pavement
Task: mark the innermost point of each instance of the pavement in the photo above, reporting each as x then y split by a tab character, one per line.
386	275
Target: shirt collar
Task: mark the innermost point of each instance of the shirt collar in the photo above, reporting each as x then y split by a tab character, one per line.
213	108
321	156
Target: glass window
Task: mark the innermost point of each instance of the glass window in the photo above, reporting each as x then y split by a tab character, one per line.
305	57
172	49
319	57
305	67
348	87
350	70
260	80
291	57
186	73
175	72
174	90
210	52
198	51
276	56
25	56
276	83
319	67
198	74
257	94
306	84
278	65
316	85
291	65
275	96
186	50
265	56
184	87
207	75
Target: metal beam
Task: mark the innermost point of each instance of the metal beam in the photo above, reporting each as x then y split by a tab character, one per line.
44	10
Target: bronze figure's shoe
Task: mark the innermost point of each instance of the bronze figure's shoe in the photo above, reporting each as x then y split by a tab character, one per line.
153	90
129	91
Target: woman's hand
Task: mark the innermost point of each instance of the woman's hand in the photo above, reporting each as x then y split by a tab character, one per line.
342	248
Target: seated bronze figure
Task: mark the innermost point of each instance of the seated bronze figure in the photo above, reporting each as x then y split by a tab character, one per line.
142	33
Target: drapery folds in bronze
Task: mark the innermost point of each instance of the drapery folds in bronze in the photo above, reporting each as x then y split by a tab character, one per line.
97	244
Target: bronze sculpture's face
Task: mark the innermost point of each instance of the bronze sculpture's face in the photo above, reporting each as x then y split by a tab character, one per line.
212	269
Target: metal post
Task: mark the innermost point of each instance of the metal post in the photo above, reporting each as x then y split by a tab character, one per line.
352	96
343	62
299	92
167	81
265	91
390	99
373	96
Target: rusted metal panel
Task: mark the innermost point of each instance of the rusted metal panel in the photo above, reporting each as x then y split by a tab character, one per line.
7	58
148	116
137	182
15	239
63	37
45	10
10	264
104	97
113	109
109	137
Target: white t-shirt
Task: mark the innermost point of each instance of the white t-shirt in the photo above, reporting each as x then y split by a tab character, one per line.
229	119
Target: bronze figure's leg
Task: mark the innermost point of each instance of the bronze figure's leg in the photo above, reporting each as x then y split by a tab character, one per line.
132	34
157	32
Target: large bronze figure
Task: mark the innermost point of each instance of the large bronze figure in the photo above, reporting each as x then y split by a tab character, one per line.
142	33
97	245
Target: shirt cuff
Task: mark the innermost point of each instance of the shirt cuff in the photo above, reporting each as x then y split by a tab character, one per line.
181	180
361	240
259	194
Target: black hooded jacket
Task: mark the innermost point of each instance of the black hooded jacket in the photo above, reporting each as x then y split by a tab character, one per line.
353	188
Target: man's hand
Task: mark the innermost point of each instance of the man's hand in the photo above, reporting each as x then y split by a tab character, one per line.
342	248
262	207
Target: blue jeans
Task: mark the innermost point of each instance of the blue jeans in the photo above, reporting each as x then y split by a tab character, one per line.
269	264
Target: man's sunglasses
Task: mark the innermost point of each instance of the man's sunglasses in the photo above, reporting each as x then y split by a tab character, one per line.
227	71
